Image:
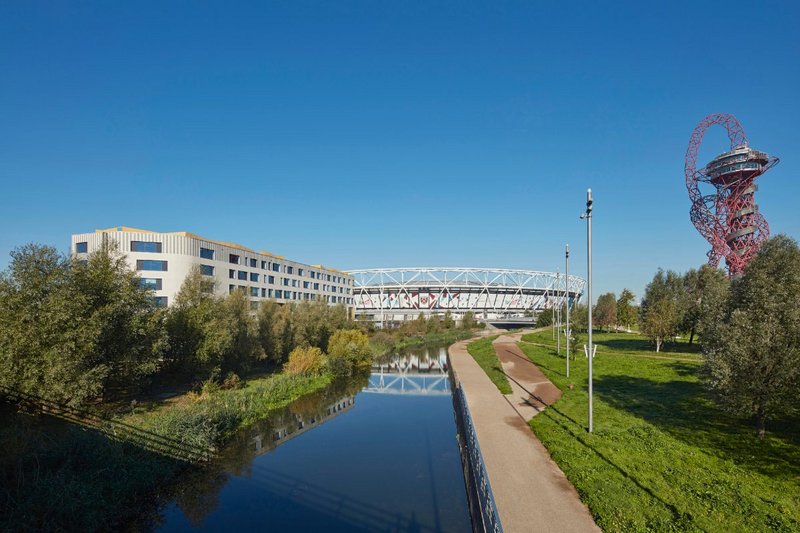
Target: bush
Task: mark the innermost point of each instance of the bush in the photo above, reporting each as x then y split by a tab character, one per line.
232	381
305	360
348	350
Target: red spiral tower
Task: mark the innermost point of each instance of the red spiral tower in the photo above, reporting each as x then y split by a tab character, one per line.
729	219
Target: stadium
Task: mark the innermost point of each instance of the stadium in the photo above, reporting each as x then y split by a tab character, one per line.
392	295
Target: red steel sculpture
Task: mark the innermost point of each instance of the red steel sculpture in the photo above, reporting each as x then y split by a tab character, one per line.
729	219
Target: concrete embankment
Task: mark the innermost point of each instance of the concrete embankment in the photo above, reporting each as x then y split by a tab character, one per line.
530	492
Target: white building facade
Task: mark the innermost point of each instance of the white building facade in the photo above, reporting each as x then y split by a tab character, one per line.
163	260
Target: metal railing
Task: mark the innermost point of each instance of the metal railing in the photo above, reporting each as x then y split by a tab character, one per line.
479	491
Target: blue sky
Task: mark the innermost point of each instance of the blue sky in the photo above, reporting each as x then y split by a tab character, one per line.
366	134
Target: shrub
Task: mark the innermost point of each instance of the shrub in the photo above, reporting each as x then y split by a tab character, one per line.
305	360
232	381
348	350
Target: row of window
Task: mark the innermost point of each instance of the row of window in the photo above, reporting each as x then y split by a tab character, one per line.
286	282
279	294
236	259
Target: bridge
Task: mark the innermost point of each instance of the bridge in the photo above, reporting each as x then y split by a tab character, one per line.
491	294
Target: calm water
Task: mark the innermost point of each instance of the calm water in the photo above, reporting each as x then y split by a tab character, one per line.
377	454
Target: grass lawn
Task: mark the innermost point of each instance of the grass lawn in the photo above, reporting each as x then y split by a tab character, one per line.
483	352
662	456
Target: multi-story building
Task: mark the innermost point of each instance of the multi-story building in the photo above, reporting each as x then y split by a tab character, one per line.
163	260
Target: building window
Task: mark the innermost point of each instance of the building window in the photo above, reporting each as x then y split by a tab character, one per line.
254	291
243	275
150	283
231	288
207	253
316	286
149	247
276	267
271	279
232	274
161	301
263	293
253	276
306	284
149	264
233	258
263	265
299	271
286	282
278	294
81	247
253	263
294	283
269	293
207	270
289	269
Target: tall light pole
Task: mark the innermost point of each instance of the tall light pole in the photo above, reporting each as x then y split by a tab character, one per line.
558	315
588	216
566	290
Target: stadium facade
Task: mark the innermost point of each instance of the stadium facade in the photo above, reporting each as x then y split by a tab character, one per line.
390	295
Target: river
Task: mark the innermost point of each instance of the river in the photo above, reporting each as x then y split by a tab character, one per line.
378	453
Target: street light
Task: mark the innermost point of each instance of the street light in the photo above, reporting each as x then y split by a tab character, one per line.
590	354
566	291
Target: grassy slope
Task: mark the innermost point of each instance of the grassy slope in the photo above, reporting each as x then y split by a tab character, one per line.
58	476
483	352
663	457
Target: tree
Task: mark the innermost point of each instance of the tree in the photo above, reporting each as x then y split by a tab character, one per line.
751	336
198	334
448	322
606	310
544	318
663	307
129	338
626	312
579	318
697	283
244	350
468	320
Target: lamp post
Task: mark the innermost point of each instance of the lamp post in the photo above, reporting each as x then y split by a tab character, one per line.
566	291
558	315
588	216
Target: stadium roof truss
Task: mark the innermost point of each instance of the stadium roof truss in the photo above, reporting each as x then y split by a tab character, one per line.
501	292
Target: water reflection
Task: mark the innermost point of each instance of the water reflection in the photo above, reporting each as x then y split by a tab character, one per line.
345	459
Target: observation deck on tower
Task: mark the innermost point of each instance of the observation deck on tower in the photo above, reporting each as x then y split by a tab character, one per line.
740	164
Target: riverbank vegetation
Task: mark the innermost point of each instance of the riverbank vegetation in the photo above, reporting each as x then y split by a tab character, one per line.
146	390
422	331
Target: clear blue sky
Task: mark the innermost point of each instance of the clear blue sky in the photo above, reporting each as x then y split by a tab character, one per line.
366	134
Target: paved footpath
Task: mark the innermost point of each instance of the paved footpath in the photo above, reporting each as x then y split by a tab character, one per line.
531	390
530	491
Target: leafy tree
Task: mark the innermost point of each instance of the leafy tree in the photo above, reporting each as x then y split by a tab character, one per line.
606	310
544	318
663	307
127	329
448	322
307	360
245	350
579	318
751	336
626	312
314	323
199	336
433	324
46	348
468	320
697	283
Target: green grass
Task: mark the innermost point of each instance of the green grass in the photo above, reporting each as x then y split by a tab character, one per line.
483	352
663	457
